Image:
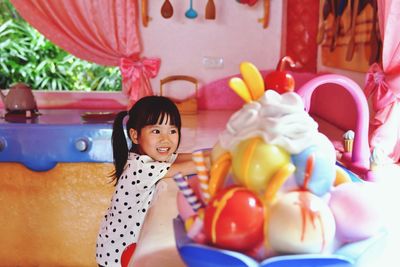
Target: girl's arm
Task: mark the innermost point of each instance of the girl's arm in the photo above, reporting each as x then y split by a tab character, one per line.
183	157
185	165
188	156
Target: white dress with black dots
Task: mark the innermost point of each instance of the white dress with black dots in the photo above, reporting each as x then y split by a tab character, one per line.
132	197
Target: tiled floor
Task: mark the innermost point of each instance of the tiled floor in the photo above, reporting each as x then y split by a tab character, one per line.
201	131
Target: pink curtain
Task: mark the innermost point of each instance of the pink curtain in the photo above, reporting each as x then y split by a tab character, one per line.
383	83
101	31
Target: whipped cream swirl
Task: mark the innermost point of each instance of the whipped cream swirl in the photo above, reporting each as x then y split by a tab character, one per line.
279	119
349	135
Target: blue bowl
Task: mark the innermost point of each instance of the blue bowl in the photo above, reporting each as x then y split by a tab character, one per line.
350	255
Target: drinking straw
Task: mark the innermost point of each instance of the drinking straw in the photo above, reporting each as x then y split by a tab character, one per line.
202	174
187	191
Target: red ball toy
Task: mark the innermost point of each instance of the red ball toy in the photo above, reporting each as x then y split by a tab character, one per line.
234	219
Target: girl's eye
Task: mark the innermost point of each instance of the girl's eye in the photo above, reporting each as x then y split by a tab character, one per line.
174	131
155	131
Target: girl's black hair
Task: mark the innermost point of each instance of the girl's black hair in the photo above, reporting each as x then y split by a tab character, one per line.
148	110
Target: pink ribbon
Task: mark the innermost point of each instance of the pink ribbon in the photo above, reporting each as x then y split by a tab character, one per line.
377	88
136	76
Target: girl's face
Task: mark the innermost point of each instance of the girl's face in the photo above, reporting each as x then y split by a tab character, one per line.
159	141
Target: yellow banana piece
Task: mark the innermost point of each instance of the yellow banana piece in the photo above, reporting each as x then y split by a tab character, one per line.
253	79
240	88
218	173
277	181
273	186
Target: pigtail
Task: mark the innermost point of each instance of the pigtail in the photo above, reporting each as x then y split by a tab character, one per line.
119	146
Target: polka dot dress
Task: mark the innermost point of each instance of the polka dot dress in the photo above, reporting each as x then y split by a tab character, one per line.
129	204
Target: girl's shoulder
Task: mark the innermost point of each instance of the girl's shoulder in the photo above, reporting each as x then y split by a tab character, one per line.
135	157
145	169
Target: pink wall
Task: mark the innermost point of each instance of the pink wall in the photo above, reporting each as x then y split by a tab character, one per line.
234	36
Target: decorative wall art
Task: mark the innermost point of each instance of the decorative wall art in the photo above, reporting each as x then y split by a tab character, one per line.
348	34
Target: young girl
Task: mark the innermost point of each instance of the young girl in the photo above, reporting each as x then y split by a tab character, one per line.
154	128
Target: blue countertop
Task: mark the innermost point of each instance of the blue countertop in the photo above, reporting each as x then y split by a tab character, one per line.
56	136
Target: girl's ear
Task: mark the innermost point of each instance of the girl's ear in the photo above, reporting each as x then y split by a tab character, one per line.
134	136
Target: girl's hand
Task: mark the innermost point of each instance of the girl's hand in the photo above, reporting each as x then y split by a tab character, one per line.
183	157
184	167
183	164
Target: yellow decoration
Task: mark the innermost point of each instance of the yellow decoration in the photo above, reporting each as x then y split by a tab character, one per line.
341	176
240	88
251	87
253	79
218	173
277	181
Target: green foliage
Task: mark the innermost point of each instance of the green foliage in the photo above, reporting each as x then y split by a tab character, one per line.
27	56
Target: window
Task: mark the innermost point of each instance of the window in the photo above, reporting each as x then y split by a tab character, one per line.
27	56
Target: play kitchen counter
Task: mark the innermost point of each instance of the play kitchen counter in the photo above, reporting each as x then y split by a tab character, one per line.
54	187
55	136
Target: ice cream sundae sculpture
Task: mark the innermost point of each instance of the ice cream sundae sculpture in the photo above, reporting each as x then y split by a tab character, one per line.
274	186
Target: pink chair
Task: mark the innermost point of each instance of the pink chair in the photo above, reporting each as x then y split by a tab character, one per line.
358	160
